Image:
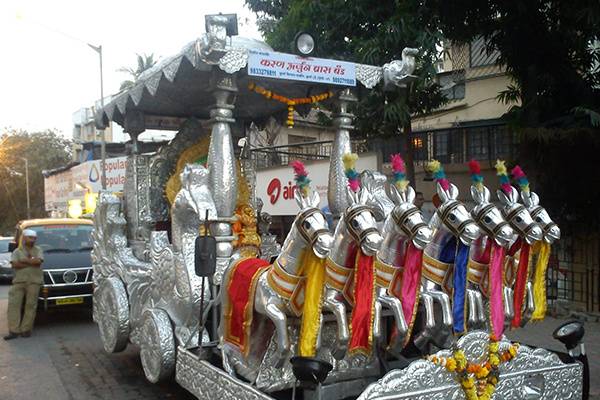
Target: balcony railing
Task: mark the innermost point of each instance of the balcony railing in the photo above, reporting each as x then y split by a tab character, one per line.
282	155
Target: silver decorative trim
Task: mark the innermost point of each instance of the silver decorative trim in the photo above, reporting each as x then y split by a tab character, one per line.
368	75
206	381
234	60
157	346
531	371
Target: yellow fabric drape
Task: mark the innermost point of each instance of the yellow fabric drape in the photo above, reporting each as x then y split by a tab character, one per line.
313	268
542	250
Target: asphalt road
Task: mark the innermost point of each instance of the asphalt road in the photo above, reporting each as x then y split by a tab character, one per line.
64	360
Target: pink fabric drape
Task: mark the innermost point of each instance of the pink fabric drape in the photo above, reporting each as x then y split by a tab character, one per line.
495	284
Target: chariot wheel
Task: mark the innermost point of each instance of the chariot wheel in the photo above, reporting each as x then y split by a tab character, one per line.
157	345
111	313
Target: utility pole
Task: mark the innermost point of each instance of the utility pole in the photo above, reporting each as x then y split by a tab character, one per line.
98	49
27	186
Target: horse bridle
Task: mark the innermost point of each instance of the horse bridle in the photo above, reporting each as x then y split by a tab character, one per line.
513	213
444	212
479	218
401	216
349	216
302	216
537	210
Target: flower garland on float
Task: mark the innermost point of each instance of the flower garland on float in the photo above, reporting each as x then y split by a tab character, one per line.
291	103
478	381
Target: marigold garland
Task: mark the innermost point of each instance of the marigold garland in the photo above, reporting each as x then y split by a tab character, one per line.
291	103
478	381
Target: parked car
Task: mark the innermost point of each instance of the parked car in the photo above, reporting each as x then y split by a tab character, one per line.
67	266
6	271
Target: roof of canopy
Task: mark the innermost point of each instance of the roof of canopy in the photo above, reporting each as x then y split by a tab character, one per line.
179	86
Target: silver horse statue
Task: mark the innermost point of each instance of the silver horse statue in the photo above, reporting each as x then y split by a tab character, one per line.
528	230
494	227
451	221
356	229
309	231
539	214
403	225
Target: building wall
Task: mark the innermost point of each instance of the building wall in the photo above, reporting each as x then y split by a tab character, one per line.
479	103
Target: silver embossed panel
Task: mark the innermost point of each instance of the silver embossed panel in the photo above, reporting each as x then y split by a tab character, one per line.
532	374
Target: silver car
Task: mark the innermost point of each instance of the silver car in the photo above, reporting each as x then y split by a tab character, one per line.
6	271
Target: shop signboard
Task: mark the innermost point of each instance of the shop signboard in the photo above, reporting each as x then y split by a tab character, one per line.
74	182
270	64
275	186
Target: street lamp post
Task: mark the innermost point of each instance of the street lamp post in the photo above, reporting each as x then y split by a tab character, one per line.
98	49
27	185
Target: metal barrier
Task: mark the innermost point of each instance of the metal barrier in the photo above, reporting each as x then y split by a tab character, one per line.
581	288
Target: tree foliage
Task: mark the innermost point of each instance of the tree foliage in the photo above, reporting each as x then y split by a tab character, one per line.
365	32
552	53
44	150
144	62
549	48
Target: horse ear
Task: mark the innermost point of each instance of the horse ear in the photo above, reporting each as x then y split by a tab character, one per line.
476	195
315	199
486	194
514	195
441	193
364	195
395	195
535	199
350	195
299	198
410	194
453	191
502	197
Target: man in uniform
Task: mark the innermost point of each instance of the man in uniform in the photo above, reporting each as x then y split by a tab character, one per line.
26	260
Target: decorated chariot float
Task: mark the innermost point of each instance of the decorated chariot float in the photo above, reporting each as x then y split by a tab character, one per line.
381	305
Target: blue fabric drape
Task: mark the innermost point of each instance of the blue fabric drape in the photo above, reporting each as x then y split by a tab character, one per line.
459	283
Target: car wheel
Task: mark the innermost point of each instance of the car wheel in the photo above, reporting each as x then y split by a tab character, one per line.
111	313
157	345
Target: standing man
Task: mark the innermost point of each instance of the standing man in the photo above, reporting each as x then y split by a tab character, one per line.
26	260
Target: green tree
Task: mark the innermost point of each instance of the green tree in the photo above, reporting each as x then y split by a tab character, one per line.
370	32
549	48
44	150
144	62
551	51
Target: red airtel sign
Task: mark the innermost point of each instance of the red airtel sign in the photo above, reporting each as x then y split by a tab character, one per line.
274	190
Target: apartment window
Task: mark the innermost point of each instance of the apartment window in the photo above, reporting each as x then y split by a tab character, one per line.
478	55
452	84
440	146
478	143
503	141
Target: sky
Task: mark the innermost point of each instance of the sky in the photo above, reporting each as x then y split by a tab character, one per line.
47	71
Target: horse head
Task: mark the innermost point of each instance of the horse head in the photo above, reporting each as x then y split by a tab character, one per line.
539	214
375	183
518	217
312	225
408	220
360	222
454	215
489	218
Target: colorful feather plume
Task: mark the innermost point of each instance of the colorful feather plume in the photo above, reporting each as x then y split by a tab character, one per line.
399	170
438	174
301	177
518	174
349	160
476	176
503	175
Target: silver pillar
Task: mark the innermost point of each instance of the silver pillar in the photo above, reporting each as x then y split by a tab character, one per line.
222	178
342	120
